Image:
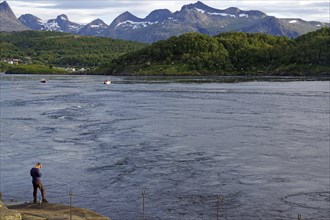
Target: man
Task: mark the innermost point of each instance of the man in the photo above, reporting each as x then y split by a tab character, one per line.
36	182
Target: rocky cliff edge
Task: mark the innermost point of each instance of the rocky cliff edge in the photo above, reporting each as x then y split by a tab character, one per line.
46	211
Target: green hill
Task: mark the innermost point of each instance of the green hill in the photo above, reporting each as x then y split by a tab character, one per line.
188	54
230	54
62	49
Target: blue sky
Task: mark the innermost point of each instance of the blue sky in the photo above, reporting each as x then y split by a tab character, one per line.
84	11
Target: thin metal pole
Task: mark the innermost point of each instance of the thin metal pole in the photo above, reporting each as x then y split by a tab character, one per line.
70	194
143	213
218	206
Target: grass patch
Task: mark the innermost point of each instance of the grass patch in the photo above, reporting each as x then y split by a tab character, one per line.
34	69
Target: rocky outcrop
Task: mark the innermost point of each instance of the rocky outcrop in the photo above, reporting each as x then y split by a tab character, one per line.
47	211
8	214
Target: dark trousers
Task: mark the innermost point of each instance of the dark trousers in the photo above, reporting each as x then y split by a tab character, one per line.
41	188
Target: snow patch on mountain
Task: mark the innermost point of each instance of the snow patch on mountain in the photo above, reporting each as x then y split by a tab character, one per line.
221	14
135	24
63	17
200	10
96	26
243	15
51	26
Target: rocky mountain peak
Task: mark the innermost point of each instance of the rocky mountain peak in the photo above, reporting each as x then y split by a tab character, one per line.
29	18
98	22
233	10
198	5
5	10
94	28
161	23
8	20
62	17
159	15
62	24
126	16
32	22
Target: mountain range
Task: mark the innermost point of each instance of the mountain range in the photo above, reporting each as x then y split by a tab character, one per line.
161	24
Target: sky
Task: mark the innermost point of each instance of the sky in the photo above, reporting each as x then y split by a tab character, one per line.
85	11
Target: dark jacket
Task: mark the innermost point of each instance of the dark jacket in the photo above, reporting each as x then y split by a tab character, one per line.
36	174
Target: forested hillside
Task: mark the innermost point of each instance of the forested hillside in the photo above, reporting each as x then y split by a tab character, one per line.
62	49
189	54
231	54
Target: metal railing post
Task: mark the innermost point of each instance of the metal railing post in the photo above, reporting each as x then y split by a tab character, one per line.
70	194
218	206
143	207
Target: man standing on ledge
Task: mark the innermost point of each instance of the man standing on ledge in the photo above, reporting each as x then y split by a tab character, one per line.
36	182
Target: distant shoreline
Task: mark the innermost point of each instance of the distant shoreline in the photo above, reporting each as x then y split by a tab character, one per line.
198	78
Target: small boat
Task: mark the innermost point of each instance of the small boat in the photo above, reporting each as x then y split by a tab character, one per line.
106	81
43	80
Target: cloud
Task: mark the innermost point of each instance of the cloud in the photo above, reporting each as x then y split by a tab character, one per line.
98	4
84	11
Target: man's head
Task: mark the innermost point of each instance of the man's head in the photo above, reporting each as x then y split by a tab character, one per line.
38	165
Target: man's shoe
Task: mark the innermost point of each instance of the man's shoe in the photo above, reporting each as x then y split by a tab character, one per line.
34	200
44	201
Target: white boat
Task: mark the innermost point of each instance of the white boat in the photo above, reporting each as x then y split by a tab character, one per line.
106	81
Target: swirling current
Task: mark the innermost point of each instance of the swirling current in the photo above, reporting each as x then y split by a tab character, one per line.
168	149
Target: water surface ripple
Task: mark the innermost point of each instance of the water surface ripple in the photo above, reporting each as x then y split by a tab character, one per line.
263	146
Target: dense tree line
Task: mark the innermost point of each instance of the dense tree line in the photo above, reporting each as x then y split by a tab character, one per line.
230	53
62	49
312	48
191	53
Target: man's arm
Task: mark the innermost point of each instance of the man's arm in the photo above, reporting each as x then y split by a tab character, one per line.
39	174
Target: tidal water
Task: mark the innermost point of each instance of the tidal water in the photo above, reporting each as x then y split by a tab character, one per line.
262	146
